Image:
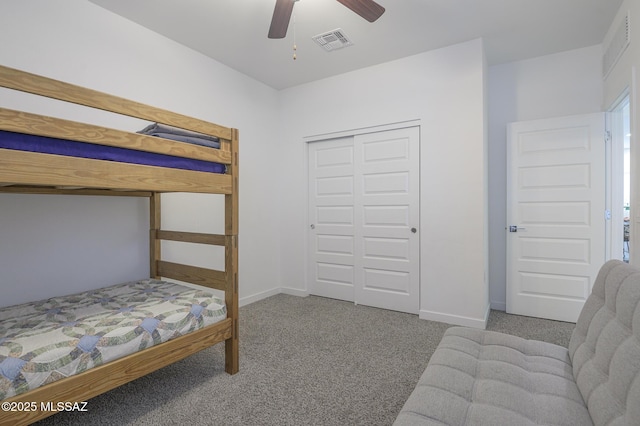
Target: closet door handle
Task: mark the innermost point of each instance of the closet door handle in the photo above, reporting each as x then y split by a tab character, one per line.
414	230
313	226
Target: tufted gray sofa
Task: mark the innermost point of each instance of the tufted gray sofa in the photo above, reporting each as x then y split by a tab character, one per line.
479	377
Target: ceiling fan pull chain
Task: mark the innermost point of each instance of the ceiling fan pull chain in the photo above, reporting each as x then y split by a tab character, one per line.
294	37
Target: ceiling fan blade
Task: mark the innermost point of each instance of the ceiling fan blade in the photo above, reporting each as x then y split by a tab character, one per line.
368	9
281	17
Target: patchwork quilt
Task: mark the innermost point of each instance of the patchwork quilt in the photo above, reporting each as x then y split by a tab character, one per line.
51	339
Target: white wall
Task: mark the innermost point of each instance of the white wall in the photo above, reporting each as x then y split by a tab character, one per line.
624	77
78	42
565	83
444	90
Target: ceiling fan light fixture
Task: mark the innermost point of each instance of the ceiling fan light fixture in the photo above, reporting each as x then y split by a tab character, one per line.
368	9
333	40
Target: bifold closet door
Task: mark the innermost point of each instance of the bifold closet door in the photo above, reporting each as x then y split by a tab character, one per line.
364	219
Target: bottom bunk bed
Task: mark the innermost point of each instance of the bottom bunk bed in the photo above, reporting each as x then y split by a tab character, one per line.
62	351
59	337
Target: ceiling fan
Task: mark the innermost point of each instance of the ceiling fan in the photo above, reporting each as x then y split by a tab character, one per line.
368	9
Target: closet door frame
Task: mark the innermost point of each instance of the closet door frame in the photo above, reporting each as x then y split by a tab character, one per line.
309	283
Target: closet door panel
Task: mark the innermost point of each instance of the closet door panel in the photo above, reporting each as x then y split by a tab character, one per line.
364	219
387	261
331	219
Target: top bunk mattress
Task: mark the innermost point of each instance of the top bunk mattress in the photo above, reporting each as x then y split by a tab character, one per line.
47	145
45	341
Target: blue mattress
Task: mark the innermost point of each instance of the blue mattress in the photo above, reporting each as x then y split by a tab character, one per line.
45	145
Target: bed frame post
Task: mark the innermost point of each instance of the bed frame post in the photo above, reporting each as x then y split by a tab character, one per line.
154	241
231	247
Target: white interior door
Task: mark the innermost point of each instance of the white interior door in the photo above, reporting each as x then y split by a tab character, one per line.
556	214
364	219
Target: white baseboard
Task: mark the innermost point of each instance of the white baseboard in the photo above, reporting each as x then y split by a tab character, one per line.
263	295
423	314
294	291
456	319
259	296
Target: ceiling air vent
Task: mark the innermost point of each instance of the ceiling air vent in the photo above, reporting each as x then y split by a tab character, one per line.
332	40
617	45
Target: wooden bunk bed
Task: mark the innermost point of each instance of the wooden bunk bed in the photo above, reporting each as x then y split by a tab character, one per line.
40	173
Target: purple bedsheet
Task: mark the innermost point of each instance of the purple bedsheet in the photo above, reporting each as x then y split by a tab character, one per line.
45	145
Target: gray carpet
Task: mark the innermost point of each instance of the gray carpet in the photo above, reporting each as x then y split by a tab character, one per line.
303	361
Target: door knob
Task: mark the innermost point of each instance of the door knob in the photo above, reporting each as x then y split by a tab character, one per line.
313	226
414	230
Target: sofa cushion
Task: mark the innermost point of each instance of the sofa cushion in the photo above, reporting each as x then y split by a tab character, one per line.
605	347
478	377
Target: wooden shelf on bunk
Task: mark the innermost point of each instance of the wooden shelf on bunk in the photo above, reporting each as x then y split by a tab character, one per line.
30	168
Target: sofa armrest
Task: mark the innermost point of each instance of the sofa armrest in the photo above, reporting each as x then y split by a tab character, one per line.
605	346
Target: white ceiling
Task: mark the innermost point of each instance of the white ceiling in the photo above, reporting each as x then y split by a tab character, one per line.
234	32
